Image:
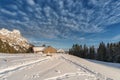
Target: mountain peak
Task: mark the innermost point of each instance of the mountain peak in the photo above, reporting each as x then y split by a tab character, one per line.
14	39
4	31
16	31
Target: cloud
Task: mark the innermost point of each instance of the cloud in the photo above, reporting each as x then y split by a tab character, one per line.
38	43
62	18
13	7
117	37
8	12
22	13
31	2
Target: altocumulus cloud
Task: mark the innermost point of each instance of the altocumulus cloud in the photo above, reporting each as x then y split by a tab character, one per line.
117	37
31	2
59	18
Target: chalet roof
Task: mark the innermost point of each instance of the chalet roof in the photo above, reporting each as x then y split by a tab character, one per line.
60	50
44	49
38	48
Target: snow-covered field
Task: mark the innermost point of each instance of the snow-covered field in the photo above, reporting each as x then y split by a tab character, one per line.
56	67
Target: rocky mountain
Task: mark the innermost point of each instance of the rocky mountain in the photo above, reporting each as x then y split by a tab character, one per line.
13	42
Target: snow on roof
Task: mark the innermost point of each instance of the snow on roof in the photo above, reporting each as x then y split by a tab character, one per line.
38	48
60	50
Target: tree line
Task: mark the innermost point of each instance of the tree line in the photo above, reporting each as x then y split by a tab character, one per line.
109	52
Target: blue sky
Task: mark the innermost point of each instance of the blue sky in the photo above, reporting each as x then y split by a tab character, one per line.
61	23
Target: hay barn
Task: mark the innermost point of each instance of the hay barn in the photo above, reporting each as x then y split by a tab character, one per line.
48	49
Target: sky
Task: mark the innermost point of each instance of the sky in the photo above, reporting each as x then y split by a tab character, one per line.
62	23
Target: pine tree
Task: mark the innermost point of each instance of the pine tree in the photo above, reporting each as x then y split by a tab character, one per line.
85	51
101	52
109	52
92	52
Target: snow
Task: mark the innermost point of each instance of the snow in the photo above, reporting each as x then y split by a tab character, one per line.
14	38
103	69
56	67
115	65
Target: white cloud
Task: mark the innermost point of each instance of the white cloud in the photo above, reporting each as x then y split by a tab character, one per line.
117	37
26	18
22	13
93	29
31	2
8	12
30	9
13	7
61	4
68	18
47	10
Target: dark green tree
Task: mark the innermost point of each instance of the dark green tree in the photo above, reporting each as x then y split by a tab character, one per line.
101	52
85	52
91	52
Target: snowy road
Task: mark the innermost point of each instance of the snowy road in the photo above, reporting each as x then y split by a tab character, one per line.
57	67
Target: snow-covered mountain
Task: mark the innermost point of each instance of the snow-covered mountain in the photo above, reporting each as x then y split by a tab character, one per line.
13	41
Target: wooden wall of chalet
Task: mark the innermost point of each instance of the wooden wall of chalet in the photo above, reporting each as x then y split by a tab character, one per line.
50	50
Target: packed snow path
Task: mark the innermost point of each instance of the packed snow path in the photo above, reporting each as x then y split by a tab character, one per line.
57	67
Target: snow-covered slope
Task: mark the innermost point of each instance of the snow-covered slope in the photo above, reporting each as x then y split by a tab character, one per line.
13	39
103	69
57	67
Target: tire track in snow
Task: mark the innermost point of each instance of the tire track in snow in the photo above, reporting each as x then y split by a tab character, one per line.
99	76
17	67
68	75
45	71
73	74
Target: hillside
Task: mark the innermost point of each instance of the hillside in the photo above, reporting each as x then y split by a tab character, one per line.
13	42
57	67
